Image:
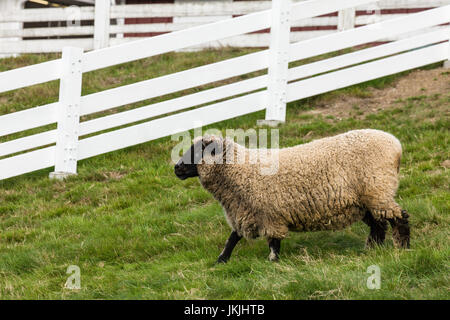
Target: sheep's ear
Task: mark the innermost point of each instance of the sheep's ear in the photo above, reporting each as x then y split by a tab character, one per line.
212	146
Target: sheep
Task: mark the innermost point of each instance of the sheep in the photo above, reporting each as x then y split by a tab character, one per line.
326	184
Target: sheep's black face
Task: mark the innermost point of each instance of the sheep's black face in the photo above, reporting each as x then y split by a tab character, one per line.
203	151
200	152
186	167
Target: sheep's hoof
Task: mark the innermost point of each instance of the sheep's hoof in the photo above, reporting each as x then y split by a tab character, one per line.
221	260
401	242
405	214
273	257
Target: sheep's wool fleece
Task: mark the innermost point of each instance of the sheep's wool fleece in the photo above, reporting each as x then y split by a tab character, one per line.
326	184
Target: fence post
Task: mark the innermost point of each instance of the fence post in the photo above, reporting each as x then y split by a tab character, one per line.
346	19
278	63
68	113
102	23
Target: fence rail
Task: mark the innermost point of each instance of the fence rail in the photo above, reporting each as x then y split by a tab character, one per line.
64	146
185	15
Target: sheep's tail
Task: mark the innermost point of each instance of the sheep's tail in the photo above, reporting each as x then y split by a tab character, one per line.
398	147
399	159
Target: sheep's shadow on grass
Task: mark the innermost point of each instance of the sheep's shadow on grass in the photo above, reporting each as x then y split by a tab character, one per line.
319	245
314	245
310	245
324	243
350	241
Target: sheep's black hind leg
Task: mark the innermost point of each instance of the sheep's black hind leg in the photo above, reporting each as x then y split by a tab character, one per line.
229	246
377	230
400	230
274	245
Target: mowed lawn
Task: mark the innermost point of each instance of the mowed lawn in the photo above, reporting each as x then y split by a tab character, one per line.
137	232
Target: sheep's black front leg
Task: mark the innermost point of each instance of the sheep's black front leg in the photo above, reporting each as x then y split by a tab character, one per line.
229	246
274	245
377	230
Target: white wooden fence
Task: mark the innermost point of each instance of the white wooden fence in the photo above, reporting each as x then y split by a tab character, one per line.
104	33
66	146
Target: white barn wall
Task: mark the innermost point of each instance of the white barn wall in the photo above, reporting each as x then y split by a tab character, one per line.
186	14
11	5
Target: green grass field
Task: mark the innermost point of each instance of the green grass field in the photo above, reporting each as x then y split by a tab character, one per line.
137	232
